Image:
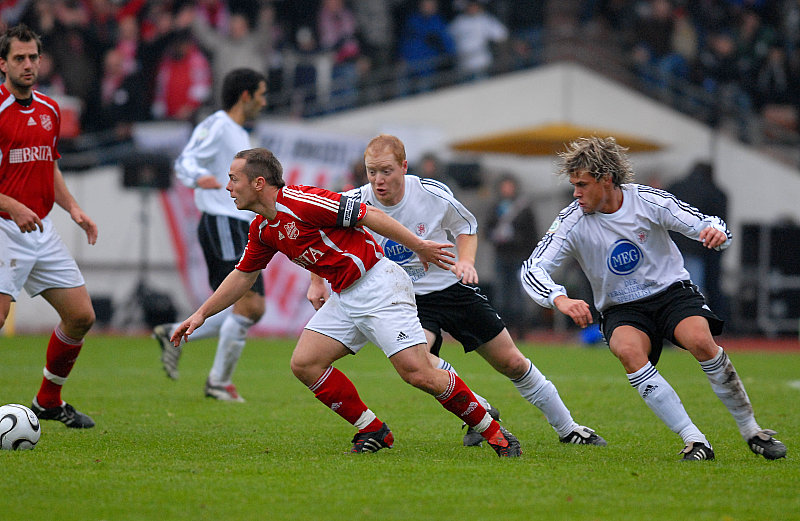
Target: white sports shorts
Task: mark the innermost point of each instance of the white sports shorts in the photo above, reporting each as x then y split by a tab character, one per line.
379	308
35	260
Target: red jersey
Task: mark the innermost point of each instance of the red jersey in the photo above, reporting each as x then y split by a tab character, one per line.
318	230
28	151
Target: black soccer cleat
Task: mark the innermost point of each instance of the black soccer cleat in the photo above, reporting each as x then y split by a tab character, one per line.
697	451
473	438
764	444
373	441
583	436
505	444
65	413
169	353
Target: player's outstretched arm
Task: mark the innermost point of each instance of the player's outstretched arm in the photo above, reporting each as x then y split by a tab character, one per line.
232	288
427	251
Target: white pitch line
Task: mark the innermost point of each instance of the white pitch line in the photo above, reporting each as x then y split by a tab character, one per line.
794	384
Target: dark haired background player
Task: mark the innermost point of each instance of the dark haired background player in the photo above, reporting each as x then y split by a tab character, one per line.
372	300
448	299
618	233
222	230
32	255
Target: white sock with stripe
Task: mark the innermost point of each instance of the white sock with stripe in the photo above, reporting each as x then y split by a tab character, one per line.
728	387
541	392
232	337
665	403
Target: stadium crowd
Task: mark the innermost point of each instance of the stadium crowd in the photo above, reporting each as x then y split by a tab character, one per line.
134	60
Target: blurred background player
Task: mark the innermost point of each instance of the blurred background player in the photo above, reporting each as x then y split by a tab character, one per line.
324	233
32	254
618	232
448	299
222	231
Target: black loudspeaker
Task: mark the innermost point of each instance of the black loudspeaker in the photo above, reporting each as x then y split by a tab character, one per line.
147	170
783	248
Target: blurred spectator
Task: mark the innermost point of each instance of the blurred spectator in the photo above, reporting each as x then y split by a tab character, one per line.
720	76
304	58
128	43
50	81
242	46
183	81
336	28
510	226
426	47
121	102
376	32
474	32
753	40
704	266
654	58
525	22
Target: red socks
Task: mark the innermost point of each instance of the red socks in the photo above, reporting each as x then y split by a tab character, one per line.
336	391
459	400
62	351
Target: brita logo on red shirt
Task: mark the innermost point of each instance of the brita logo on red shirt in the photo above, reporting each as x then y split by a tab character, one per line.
29	154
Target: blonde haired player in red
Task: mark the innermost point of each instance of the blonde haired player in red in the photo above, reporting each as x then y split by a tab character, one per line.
32	254
372	300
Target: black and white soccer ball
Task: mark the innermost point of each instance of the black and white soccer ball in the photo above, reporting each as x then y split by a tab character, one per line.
19	427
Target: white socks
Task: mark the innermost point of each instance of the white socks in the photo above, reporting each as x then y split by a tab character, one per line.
541	392
665	403
727	385
232	336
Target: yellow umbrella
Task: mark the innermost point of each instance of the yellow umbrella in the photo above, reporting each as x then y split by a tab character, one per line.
547	140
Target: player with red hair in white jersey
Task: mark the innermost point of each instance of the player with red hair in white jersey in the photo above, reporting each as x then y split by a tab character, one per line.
372	298
32	255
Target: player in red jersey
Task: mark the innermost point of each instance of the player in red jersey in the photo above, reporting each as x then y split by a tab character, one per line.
372	298
32	254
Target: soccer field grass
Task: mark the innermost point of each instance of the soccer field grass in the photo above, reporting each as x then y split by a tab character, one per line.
162	451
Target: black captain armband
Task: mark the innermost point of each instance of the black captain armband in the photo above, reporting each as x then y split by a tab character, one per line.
348	212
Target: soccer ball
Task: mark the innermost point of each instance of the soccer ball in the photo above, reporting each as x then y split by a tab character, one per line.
19	427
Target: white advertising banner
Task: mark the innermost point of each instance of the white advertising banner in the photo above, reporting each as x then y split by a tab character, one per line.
308	157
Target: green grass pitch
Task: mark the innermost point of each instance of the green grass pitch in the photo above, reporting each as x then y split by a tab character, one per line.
162	451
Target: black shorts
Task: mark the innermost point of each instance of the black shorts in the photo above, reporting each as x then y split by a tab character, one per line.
223	240
658	315
461	310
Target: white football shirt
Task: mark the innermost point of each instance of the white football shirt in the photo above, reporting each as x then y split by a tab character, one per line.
210	151
626	255
430	210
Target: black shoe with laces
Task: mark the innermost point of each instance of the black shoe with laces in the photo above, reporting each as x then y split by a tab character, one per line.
373	441
697	451
65	413
473	438
505	444
583	436
764	444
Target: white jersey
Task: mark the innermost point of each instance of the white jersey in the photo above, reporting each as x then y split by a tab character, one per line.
210	151
626	255
430	210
